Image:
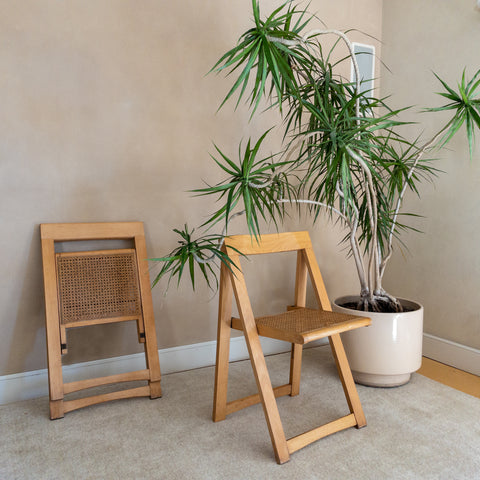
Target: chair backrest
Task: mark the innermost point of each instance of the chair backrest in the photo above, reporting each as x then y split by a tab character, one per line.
277	243
96	286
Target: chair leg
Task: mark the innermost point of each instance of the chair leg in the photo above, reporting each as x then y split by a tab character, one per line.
269	403
152	360
295	368
348	383
55	380
221	373
223	348
53	331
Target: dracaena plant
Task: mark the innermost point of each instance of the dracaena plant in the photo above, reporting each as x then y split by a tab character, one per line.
343	151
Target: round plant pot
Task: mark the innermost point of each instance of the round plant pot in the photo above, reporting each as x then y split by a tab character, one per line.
387	352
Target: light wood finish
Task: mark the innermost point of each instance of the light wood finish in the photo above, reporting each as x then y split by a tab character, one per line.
97	321
304	439
223	346
56	327
70	405
301	278
451	376
274	243
317	280
64	232
52	321
241	403
297	325
148	324
262	378
95	252
346	377
96	382
295	368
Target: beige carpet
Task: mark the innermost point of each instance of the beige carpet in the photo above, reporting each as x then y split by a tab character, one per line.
423	430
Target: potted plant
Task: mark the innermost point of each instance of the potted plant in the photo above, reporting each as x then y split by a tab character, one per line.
343	152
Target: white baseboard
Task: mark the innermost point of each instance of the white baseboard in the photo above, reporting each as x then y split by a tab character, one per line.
27	385
23	386
451	353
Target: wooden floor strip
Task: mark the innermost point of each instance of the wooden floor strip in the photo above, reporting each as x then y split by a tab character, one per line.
451	376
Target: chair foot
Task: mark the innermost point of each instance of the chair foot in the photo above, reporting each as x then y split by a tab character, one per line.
155	390
56	409
282	461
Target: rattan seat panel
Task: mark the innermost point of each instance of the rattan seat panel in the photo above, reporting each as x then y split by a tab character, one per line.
305	325
97	286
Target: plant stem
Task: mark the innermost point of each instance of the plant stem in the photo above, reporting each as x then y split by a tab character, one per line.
366	287
354	244
353	239
319	204
373	266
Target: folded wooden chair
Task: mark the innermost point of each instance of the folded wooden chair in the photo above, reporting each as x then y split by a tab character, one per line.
93	287
299	325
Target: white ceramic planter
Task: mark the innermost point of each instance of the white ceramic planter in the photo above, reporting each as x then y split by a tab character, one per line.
386	353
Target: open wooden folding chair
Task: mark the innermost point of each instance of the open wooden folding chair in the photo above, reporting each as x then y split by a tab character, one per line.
86	288
298	325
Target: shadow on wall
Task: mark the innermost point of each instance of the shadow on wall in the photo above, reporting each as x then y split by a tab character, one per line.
28	338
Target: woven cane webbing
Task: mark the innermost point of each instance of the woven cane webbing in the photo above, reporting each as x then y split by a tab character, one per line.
304	320
96	286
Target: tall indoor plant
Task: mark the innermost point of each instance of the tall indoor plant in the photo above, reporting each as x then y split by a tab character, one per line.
343	151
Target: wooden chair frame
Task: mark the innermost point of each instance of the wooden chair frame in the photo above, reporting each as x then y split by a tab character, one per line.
233	283
56	329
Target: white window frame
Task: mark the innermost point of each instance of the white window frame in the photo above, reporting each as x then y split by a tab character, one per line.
369	76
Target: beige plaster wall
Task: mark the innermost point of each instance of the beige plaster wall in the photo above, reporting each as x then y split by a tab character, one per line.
442	267
107	115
